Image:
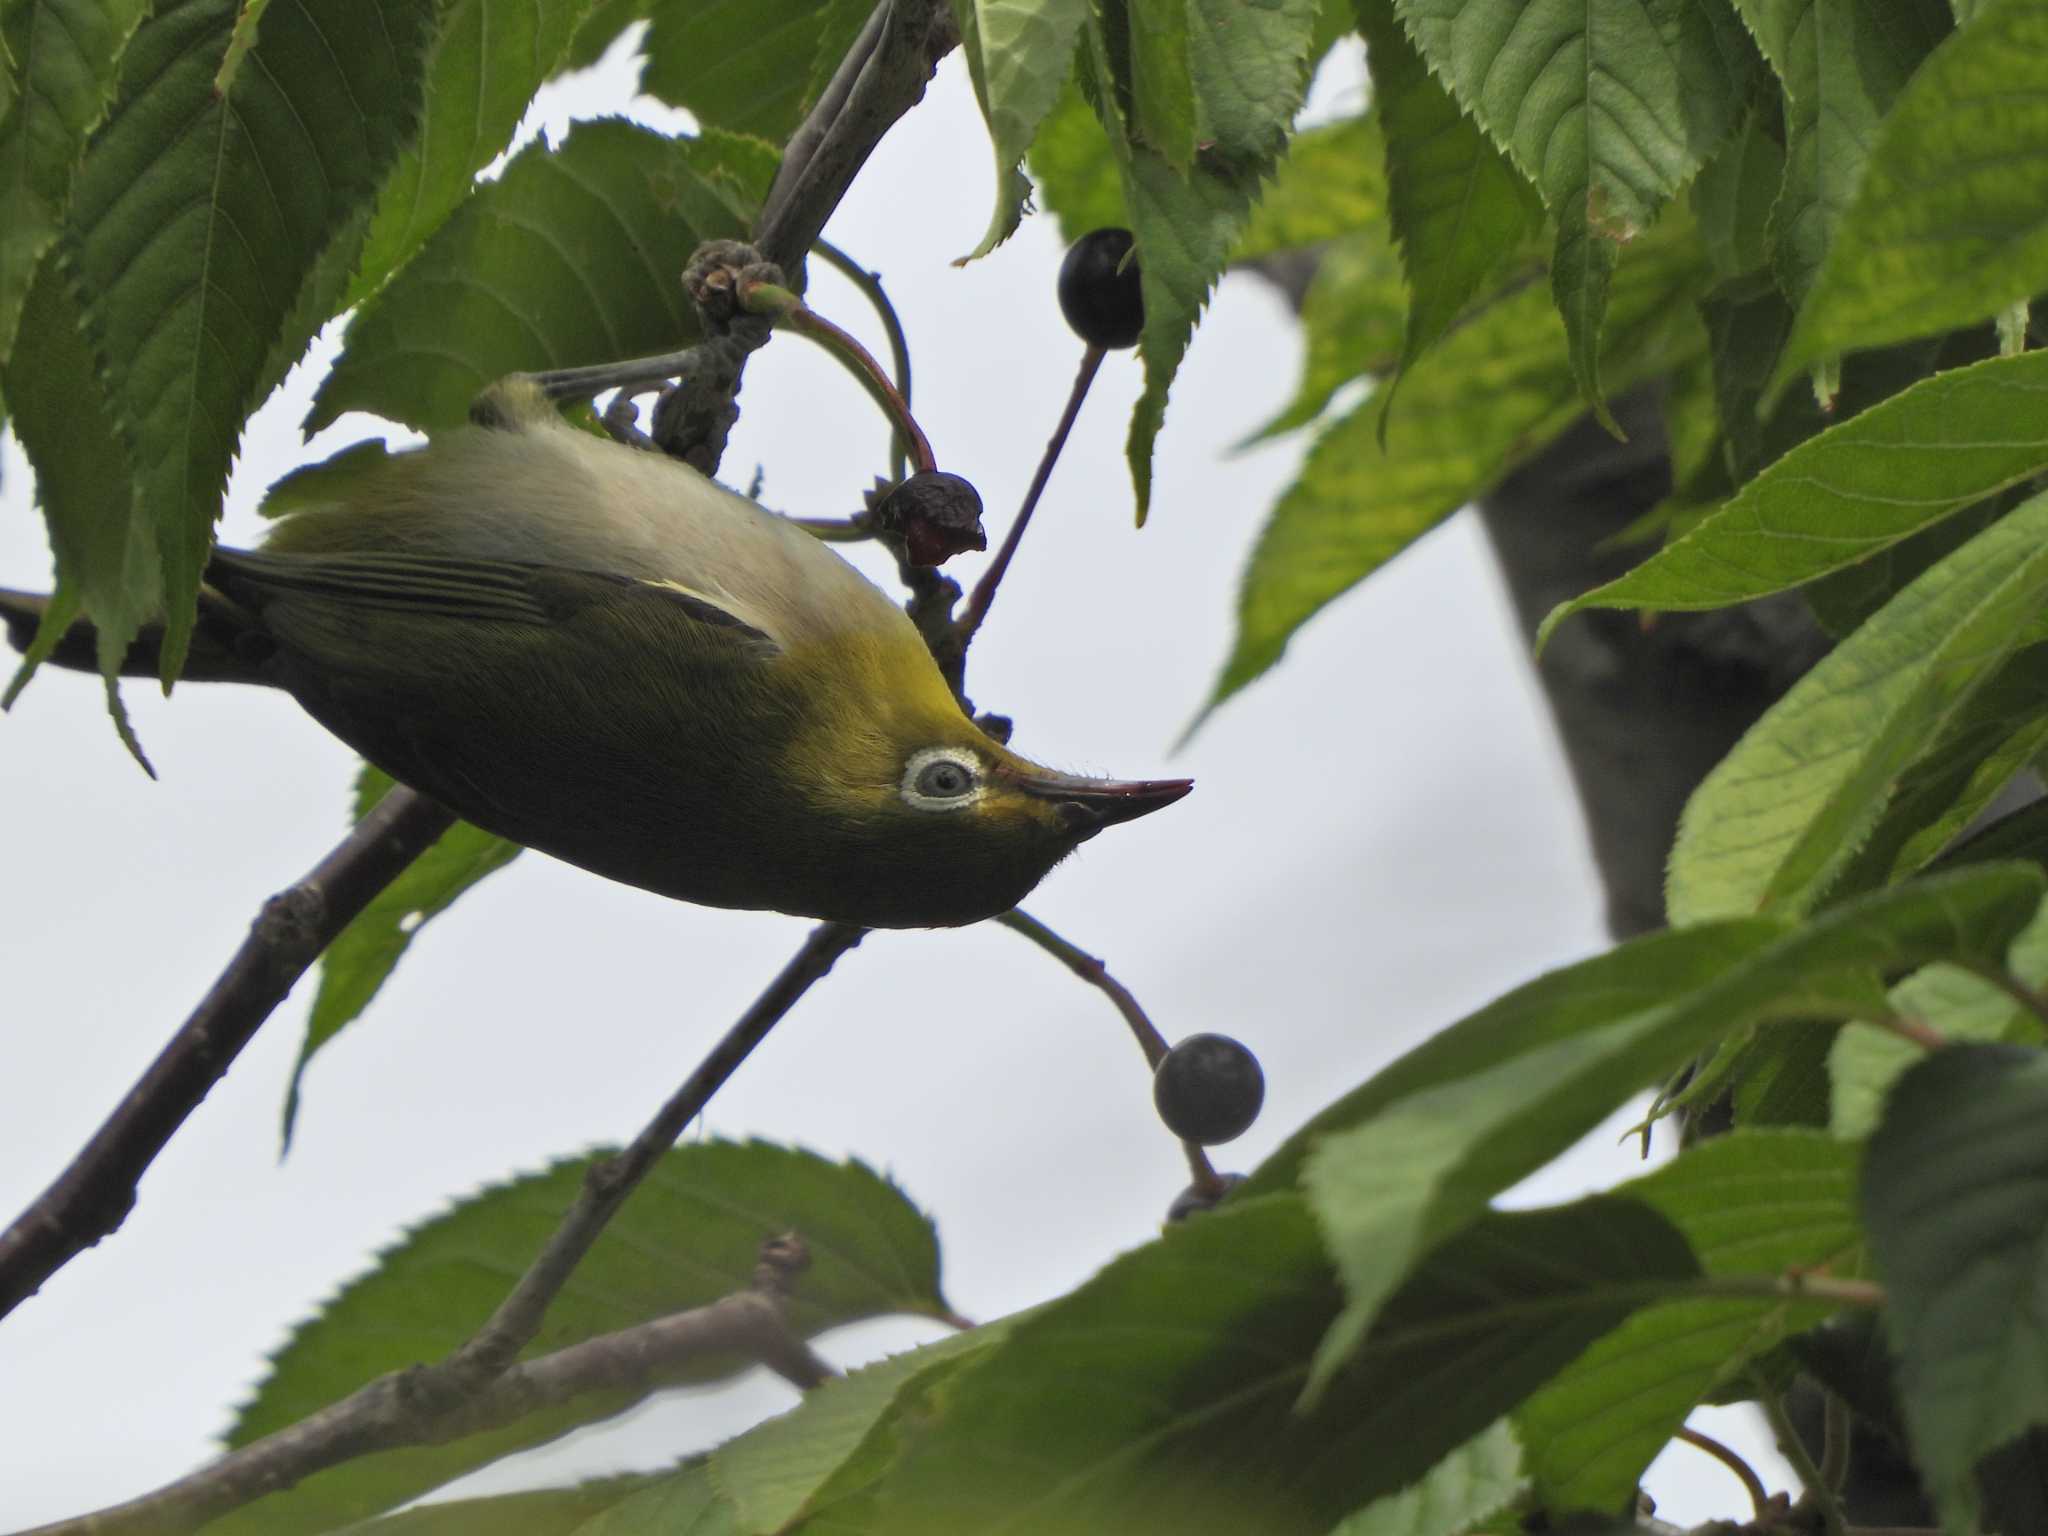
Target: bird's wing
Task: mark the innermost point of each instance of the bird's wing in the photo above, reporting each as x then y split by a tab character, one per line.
448	588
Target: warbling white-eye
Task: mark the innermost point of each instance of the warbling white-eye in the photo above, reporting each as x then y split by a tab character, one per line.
598	652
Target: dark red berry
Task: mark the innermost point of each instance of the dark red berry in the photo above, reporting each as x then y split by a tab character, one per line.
1208	1089
1099	292
937	515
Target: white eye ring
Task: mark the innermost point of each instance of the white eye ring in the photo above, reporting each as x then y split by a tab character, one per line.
943	779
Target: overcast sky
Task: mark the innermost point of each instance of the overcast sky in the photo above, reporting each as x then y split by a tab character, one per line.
1382	838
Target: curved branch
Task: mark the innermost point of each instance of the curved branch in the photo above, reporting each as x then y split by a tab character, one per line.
394	1411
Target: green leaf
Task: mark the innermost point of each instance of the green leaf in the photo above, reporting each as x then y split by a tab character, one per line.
348	471
541	1512
1018	56
1746	319
1948	223
2020	834
1749	1203
1958	1004
363	955
1162	84
1074	171
1607	106
105	546
1856	489
1416	1153
1955	1194
685	1502
197	218
1842	63
690	1234
1201	1434
846	1501
1732	196
743	65
1780	815
1249	66
1784	1082
606	21
1330	186
2002	729
813	1456
567	258
58	61
1843	600
1477	1480
1351	324
489	59
1495	391
1631	984
1459	208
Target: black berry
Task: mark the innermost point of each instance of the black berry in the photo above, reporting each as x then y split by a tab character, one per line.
1208	1089
1099	290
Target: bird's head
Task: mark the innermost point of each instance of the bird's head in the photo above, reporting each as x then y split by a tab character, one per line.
930	820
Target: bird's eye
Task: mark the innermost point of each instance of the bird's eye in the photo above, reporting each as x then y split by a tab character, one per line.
941	780
944	779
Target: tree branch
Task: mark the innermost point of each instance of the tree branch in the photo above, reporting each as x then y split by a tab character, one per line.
1759	1496
92	1196
394	1411
605	1188
882	76
1150	1041
985	589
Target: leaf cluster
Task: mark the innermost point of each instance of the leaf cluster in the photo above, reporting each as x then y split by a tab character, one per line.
1815	228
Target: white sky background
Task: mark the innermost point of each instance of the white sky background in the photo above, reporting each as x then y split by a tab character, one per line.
1382	838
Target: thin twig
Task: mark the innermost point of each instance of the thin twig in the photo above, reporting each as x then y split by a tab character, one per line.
1802	1285
882	76
1759	1496
1819	1494
985	589
593	379
870	284
395	1411
1092	970
607	1185
1834	1441
92	1196
791	313
1913	1030
830	108
1096	974
2027	997
837	530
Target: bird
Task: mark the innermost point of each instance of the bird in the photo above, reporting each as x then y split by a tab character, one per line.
596	651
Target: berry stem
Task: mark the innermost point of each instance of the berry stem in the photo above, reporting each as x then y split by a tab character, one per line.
1759	1496
1093	971
791	313
985	589
870	284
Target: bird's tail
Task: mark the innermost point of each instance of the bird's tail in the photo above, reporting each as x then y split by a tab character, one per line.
228	644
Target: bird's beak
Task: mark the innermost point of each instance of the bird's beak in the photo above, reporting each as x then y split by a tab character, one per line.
1086	806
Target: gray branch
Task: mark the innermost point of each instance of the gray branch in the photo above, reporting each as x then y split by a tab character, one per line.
406	1408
